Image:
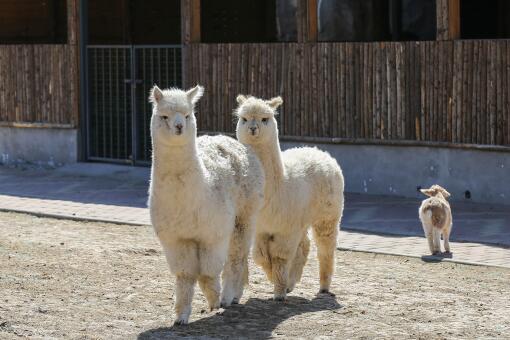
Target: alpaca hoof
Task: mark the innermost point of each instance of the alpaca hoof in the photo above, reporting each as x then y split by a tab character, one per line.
448	254
235	301
326	292
224	304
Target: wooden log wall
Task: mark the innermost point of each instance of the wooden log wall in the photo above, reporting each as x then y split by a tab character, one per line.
38	85
438	91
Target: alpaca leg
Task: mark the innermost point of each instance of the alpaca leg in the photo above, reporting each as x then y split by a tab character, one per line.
184	289
183	261
325	234
298	263
236	267
437	240
210	286
261	254
212	259
280	277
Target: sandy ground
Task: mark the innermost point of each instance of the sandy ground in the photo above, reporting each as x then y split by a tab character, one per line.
67	279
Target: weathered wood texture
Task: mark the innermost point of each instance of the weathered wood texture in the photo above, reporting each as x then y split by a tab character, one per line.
38	84
444	91
448	19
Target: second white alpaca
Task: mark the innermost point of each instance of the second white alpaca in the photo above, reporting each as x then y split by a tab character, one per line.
304	187
436	218
204	195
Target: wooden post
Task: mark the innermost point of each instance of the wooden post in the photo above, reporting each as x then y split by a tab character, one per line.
73	36
190	21
307	21
448	19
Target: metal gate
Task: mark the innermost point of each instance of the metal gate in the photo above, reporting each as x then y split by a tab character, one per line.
118	112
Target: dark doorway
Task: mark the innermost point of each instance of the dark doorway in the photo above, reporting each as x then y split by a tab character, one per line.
133	45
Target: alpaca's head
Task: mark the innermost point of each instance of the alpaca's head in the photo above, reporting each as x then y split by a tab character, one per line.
256	120
173	115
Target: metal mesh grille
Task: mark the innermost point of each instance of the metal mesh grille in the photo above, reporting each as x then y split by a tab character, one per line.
159	65
109	127
119	80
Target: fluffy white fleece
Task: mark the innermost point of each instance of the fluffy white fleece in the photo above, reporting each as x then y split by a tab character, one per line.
304	187
204	195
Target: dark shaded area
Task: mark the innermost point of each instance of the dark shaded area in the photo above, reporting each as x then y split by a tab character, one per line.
377	20
233	21
134	22
33	22
484	19
271	314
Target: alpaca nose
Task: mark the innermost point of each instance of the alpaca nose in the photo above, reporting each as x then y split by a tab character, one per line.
253	129
178	126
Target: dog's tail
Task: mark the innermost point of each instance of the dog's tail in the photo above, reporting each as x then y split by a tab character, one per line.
435	211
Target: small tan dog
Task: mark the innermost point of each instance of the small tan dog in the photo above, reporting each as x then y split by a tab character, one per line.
436	218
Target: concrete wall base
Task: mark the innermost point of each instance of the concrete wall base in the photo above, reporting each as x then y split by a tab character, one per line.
44	147
469	175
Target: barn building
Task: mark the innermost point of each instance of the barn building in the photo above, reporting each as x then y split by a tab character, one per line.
404	93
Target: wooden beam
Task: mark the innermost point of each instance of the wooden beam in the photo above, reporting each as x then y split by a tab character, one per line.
448	19
190	21
312	16
307	21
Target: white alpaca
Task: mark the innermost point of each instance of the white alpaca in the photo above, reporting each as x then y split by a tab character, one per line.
436	218
304	187
204	195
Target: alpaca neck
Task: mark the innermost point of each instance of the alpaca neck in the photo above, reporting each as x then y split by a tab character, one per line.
176	161
271	158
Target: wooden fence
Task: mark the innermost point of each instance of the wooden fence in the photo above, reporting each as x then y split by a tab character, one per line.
438	91
38	84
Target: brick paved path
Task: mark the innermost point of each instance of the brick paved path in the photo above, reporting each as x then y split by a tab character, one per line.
115	194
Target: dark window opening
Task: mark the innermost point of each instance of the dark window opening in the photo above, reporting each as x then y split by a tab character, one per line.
130	22
33	22
376	20
236	21
485	19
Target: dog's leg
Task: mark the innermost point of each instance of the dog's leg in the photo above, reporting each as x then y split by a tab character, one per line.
446	238
437	240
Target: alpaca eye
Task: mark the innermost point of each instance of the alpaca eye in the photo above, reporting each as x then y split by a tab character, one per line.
164	117
187	117
264	120
244	120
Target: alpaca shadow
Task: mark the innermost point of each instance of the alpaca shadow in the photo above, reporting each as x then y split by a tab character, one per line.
436	258
256	319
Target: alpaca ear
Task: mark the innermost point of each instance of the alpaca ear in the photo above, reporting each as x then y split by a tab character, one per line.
241	99
275	102
428	192
156	95
195	94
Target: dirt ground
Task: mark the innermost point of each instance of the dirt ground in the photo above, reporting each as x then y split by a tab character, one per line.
67	279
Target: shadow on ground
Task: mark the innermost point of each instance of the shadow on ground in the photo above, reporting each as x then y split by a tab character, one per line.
256	319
